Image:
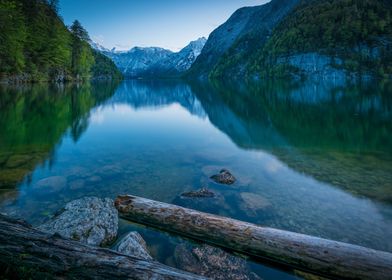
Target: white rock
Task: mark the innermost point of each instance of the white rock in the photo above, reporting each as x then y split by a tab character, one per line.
90	220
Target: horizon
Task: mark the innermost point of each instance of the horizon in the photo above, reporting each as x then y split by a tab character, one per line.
124	25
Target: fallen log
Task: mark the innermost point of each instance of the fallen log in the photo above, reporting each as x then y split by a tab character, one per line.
323	257
26	253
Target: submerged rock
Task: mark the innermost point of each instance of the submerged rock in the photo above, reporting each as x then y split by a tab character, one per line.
212	262
133	245
94	179
76	184
52	184
253	202
211	204
224	177
202	193
90	220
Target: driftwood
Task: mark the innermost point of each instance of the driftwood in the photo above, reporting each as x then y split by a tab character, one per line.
320	256
26	253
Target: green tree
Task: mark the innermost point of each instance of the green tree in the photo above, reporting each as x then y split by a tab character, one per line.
82	57
35	41
12	37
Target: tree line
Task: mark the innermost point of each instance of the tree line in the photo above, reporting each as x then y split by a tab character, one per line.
34	41
359	32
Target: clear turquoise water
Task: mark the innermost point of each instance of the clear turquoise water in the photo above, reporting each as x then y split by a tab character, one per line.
312	158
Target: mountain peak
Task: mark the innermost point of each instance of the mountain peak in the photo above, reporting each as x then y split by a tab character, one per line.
195	47
154	61
98	47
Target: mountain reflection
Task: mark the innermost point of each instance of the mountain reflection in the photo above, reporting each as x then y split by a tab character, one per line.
341	135
156	94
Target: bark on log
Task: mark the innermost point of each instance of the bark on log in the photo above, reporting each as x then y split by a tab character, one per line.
26	253
320	256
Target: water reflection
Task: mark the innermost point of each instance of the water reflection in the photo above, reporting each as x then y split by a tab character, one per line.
338	135
35	118
310	158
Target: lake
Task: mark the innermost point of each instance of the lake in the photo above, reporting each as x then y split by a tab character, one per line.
313	158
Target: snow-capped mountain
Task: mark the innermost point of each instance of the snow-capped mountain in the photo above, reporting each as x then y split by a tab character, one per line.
181	61
135	62
153	61
98	47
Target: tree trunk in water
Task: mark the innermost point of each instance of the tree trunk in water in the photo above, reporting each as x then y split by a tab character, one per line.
26	253
320	256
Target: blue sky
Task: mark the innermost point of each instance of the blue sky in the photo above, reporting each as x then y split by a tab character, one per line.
169	24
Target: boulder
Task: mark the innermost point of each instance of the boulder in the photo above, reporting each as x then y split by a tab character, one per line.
90	220
212	262
224	177
133	245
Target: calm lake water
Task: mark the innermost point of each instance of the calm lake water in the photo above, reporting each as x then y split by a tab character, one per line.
312	158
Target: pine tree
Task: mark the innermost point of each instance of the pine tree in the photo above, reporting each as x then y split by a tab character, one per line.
12	37
82	57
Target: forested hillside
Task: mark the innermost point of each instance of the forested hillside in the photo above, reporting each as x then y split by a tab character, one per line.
35	45
322	39
357	33
230	46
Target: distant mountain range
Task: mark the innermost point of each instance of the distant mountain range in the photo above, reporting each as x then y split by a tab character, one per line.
321	39
153	61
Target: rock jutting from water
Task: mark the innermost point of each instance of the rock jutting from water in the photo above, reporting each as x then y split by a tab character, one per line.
212	262
202	193
224	177
90	220
133	245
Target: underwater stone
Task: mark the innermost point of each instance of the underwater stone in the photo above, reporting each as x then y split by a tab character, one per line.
202	193
255	201
212	262
76	184
52	184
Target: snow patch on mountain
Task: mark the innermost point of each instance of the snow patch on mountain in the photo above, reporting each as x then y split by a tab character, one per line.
153	61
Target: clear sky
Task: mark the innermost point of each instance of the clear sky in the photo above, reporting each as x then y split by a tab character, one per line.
169	24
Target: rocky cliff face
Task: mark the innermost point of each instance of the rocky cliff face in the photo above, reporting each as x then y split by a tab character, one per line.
245	31
346	40
321	39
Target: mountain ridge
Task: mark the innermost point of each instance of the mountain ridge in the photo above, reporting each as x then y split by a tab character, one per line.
318	39
247	29
154	61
